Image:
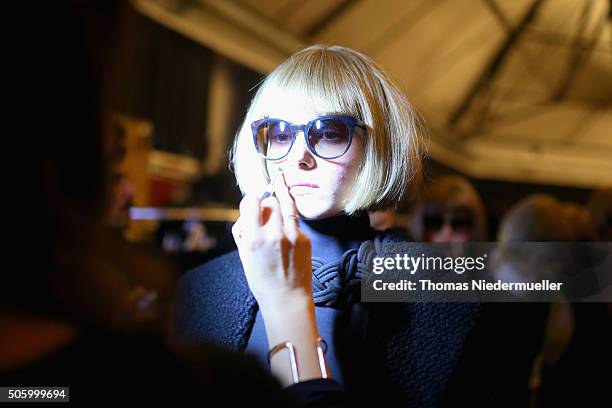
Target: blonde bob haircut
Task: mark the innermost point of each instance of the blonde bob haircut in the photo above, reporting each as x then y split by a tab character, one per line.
338	80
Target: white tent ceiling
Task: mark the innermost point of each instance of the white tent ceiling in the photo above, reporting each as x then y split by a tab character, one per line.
515	90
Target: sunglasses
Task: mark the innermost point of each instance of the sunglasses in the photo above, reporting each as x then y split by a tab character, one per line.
458	220
327	137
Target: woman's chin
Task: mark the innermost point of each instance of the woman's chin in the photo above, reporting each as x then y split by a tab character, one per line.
313	210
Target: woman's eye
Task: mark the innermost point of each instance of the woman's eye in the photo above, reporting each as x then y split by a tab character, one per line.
330	136
281	138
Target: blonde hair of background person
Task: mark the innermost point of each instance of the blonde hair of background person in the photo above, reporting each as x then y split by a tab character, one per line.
449	193
355	85
541	217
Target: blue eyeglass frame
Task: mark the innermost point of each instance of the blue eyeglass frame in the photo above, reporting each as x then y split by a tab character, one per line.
349	121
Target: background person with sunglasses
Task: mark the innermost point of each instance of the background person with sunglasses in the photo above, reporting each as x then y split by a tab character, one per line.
335	138
450	211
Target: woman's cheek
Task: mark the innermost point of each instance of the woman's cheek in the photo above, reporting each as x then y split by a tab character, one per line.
336	185
346	181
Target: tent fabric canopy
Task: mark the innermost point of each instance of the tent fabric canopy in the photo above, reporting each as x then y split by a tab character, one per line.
511	90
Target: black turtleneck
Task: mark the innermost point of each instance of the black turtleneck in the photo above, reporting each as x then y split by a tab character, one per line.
332	236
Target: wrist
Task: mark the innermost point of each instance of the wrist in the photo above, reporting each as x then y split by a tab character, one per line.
295	323
287	306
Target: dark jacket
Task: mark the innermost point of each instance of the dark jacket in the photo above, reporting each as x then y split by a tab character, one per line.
415	351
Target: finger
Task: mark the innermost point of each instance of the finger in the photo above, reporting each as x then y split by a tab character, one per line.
267	204
250	212
237	231
287	204
288	208
274	223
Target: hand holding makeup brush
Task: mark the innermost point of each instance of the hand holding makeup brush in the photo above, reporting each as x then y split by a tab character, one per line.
275	254
276	257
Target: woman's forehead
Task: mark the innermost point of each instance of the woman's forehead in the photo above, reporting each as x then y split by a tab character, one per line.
296	107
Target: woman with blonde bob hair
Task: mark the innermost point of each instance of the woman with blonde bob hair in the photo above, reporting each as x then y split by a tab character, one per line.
327	138
336	80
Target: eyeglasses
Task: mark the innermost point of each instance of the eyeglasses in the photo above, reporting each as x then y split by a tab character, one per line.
327	137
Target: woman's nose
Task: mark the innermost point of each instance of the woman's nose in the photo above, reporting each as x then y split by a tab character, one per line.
445	233
300	154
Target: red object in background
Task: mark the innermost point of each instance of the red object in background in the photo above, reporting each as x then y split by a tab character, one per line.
162	191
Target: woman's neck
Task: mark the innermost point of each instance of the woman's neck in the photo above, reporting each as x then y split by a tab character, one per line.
332	236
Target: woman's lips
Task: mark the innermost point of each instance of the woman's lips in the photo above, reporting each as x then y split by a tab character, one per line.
302	188
311	185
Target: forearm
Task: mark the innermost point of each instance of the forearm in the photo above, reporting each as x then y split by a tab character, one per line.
294	323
